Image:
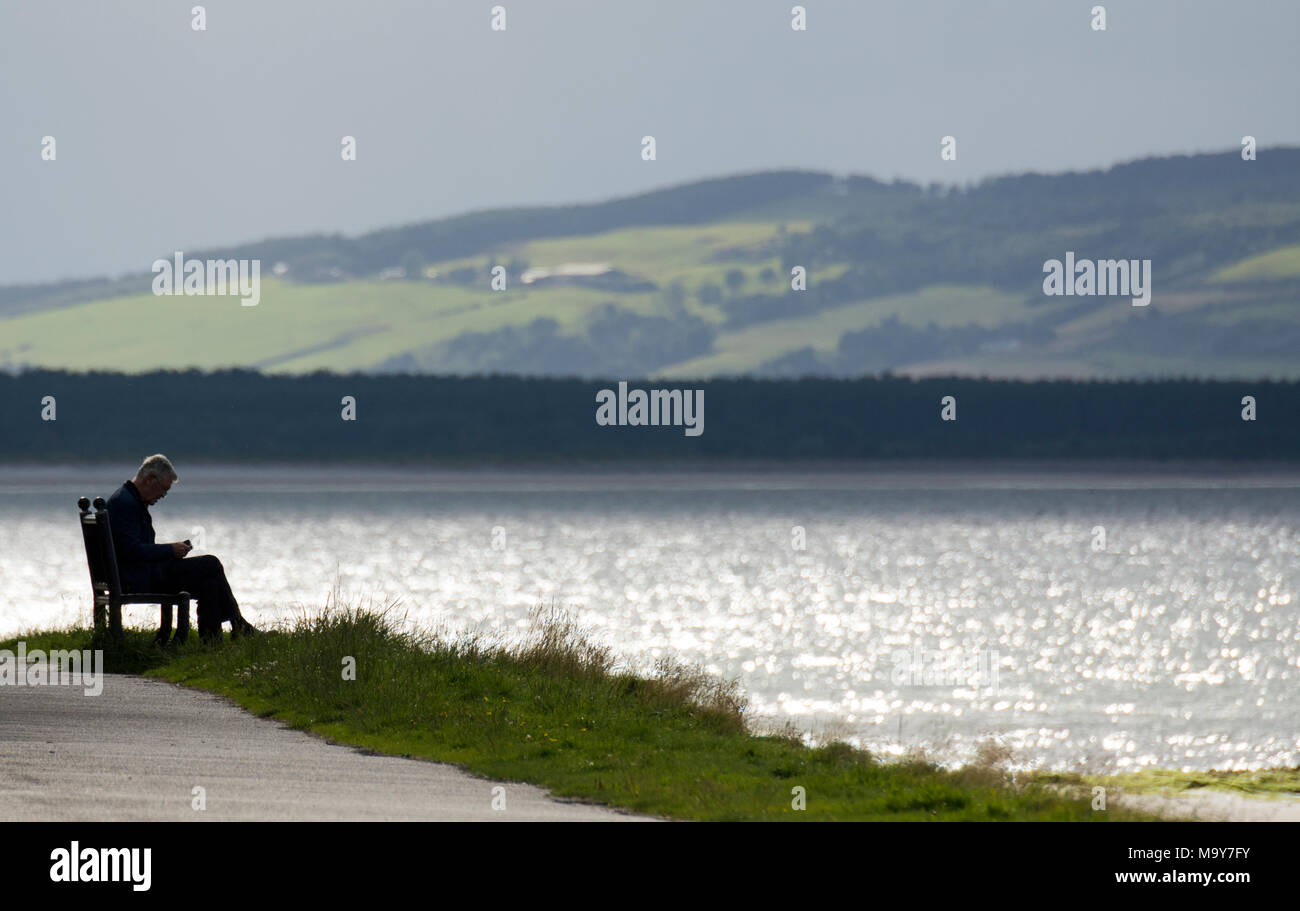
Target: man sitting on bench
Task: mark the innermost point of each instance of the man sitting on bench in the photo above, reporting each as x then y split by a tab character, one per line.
143	565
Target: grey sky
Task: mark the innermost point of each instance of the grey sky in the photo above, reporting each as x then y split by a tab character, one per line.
173	139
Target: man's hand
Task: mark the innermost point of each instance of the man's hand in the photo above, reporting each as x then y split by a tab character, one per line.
181	548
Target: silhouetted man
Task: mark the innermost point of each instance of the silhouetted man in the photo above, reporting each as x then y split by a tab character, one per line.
144	566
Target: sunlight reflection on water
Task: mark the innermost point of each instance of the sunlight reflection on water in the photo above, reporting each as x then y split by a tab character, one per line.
1175	646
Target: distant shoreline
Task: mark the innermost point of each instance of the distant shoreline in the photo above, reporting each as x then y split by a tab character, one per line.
1010	474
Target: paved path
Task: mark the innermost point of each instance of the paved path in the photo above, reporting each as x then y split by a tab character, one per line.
1218	806
137	751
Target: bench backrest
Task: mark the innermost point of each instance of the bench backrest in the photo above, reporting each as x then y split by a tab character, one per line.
100	556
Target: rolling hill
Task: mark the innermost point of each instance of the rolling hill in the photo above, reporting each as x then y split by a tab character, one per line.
695	281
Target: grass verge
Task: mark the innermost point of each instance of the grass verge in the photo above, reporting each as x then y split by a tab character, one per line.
1264	783
554	711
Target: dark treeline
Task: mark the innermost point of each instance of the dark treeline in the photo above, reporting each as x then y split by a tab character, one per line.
244	416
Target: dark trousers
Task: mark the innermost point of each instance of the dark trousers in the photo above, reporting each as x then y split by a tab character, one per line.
205	579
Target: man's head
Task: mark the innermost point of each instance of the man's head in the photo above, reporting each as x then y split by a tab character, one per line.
154	478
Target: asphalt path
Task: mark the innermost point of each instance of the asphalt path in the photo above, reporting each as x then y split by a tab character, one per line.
139	749
1218	806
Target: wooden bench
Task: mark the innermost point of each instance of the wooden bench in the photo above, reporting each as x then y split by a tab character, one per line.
106	586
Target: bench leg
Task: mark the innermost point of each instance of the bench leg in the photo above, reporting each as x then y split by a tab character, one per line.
115	621
182	619
165	629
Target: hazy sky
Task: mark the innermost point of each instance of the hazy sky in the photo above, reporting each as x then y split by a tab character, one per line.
168	138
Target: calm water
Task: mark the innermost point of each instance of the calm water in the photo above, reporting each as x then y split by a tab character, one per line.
922	611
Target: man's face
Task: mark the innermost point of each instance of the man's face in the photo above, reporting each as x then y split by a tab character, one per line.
153	490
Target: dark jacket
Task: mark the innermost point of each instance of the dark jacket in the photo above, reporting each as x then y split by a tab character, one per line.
133	539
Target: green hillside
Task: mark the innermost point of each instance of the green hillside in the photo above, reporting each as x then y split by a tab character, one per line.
695	281
360	324
1274	265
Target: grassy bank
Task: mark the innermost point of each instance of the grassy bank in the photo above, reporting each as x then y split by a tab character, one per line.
554	711
1262	783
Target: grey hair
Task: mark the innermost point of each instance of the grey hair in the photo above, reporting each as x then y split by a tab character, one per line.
157	466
